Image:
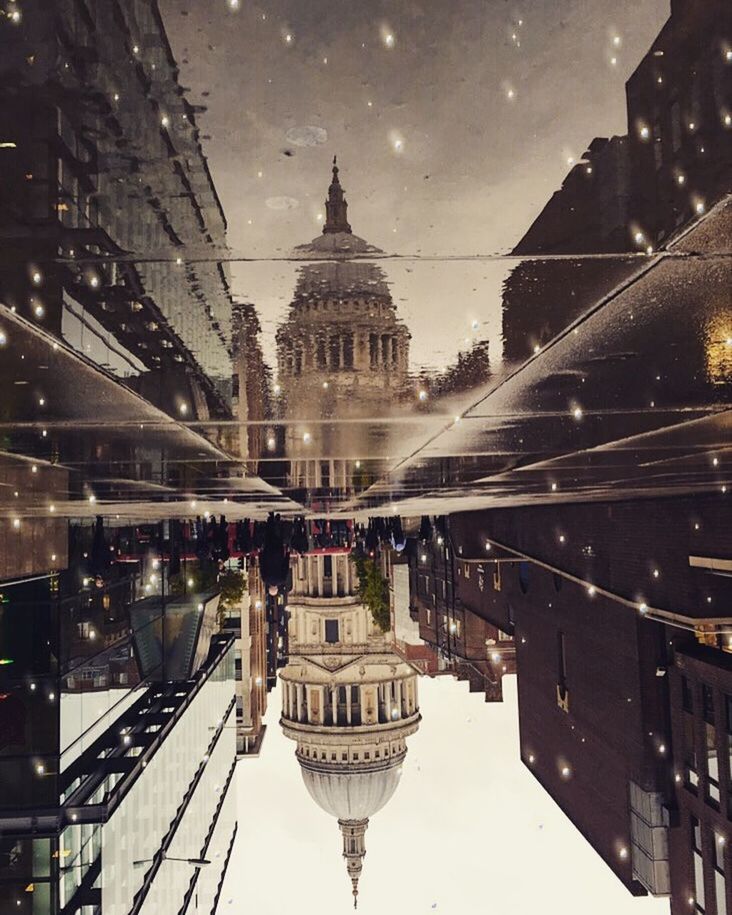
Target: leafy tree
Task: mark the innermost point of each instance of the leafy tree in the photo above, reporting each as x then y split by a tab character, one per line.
373	590
201	578
195	579
233	585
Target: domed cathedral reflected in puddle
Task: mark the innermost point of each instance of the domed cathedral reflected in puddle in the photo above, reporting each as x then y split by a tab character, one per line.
349	699
231	462
342	354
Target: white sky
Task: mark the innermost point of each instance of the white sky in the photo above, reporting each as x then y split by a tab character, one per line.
468	829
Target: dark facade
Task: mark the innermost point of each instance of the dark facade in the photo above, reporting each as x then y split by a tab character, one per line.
701	716
468	643
636	552
593	721
589	213
623	674
277	636
102	160
680	119
251	386
632	193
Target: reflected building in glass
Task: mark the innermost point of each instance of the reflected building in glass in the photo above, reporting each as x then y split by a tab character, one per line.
349	700
342	351
102	157
117	737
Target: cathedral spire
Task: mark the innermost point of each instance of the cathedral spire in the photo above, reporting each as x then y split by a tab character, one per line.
336	217
354	851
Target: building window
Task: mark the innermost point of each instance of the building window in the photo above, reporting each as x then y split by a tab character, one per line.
712	760
687	698
696	849
720	883
691	776
710	745
523	576
696	838
708	703
348	351
373	350
561	657
720	887
331	631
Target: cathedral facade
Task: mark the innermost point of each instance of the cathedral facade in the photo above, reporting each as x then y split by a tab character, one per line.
349	700
341	348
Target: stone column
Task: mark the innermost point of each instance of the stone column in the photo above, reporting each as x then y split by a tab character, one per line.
380	703
361	350
312	568
348	704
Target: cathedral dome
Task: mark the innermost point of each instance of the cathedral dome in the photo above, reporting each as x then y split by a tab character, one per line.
352	795
335	245
337	241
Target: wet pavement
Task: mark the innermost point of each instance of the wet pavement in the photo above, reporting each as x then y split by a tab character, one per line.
365	486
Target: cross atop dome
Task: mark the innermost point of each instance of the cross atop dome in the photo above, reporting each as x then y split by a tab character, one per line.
336	208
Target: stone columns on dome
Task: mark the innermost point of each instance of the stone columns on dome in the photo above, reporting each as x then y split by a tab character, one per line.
300	701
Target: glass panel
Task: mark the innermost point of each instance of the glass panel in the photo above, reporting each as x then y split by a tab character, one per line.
720	887
699	881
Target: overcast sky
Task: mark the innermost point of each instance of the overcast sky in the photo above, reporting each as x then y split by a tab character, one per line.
474	165
451	134
468	829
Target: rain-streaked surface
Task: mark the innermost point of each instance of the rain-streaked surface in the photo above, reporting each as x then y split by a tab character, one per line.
348	382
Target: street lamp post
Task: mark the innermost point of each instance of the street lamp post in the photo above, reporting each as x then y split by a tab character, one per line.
194	862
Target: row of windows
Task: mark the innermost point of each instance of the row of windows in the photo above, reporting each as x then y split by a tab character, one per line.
718	842
710	738
355	757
